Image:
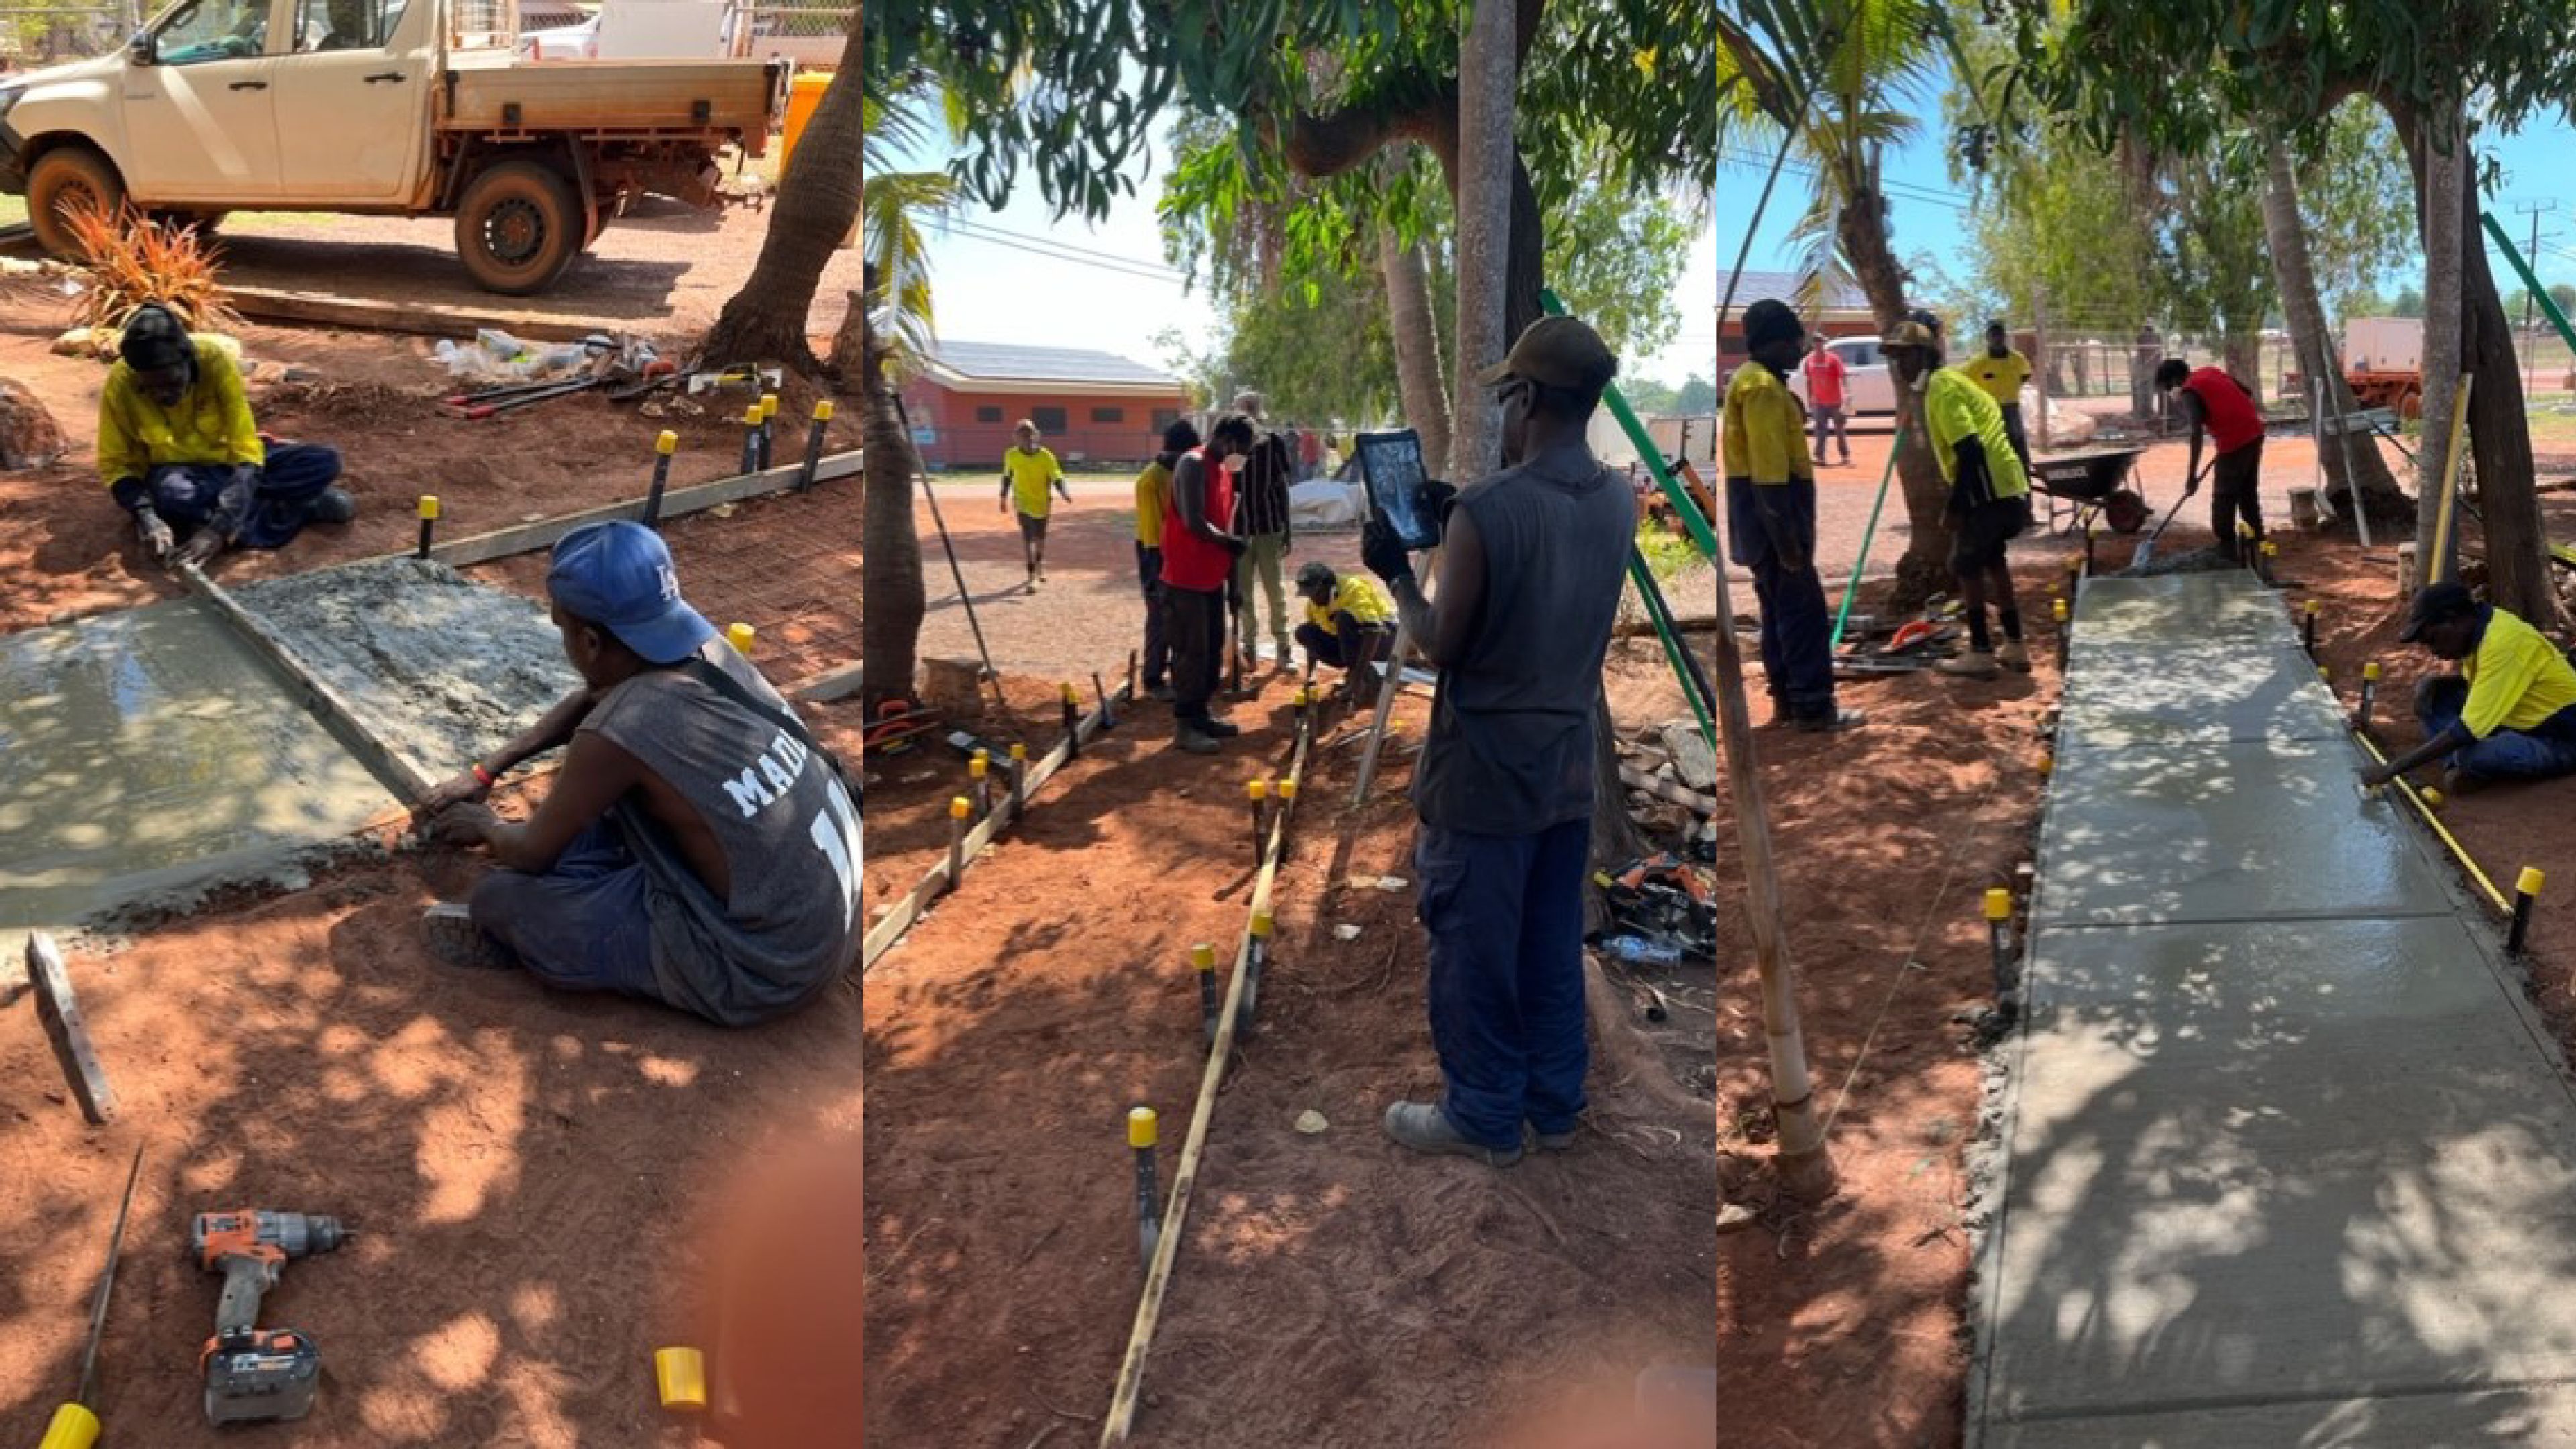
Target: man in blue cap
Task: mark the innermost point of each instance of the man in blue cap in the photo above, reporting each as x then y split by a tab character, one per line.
698	846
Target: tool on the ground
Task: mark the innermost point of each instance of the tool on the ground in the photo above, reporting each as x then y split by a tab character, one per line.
979	771
813	446
75	1425
970	744
1256	959
504	390
1149	1217
1665	899
680	1376
655	377
751	416
965	600
2526	889
898	726
664	446
428	523
2147	549
1072	703
768	430
1203	961
959	809
741	636
2369	693
476	412
66	1030
258	1375
1259	790
1999	932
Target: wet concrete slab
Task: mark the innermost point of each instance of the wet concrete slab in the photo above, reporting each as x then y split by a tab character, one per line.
145	751
2228	687
2280	1161
2176	609
2532	1415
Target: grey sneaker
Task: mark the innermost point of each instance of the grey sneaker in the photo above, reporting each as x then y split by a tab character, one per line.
1423	1127
455	940
1553	1141
331	505
1194	742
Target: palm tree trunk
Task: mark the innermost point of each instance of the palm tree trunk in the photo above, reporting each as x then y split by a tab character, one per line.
1421	378
891	599
818	202
1487	72
2445	165
1860	221
2286	230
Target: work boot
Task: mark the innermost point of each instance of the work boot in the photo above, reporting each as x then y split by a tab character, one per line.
2011	655
331	505
1975	664
1423	1127
1281	654
1833	723
1553	1141
1193	740
1157	689
452	937
1223	729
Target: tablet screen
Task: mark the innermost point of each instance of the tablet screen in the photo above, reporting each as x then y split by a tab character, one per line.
1392	464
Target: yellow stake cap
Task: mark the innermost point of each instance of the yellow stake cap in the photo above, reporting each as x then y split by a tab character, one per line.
1287	789
667	444
2530	881
768	406
1998	904
2057	606
2047	762
958	809
1203	956
980	765
752	415
429	505
1258	789
74	1427
739	636
823	411
681	1374
2370	671
2326	672
2431	797
2312	606
1019	752
1069	696
1261	924
1140	1126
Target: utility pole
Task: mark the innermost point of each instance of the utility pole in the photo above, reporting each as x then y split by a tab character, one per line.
2039	344
2532	209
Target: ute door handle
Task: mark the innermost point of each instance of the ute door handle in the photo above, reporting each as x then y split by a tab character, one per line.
392	75
250	85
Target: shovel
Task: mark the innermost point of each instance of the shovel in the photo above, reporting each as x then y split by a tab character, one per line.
2147	549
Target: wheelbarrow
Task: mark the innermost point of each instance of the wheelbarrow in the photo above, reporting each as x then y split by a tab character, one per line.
2079	486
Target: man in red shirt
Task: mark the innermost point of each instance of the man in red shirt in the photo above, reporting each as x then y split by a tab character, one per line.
2214	402
1199	553
1824	369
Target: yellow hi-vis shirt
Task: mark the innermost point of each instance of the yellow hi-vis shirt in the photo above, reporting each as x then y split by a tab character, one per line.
2000	377
1354	596
1030	473
2517	678
1764	430
212	424
1954	408
1153	490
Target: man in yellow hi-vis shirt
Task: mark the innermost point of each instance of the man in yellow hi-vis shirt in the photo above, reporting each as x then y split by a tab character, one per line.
1027	472
178	450
1771	521
1153	499
2509	714
2001	371
1349	624
1989	499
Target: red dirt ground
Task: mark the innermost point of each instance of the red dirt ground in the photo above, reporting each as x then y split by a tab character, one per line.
1330	1294
535	1174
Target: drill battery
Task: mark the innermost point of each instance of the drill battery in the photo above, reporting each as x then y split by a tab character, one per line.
260	1376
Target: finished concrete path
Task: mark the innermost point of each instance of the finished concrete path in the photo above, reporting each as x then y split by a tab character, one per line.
2288	1158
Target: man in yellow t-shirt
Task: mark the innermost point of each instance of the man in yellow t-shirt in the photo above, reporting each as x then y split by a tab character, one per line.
1153	496
2001	371
2509	714
1349	624
1989	498
1771	520
1027	472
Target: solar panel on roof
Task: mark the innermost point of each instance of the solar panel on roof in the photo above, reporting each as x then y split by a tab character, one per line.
1004	361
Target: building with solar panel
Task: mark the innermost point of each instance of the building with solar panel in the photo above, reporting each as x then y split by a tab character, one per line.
1093	407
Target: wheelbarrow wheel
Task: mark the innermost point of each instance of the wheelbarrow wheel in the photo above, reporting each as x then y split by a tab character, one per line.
2125	511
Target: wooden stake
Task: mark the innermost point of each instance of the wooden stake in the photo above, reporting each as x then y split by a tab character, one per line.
60	1012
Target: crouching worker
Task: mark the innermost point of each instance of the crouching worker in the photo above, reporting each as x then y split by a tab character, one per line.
1349	624
2509	714
179	451
697	848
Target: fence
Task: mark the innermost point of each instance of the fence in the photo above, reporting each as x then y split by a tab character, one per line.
38	35
813	36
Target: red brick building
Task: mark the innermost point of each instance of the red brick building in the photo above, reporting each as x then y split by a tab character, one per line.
1845	312
1091	407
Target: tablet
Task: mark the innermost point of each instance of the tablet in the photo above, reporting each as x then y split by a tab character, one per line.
1391	462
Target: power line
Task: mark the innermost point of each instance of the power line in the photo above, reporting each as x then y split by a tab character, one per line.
1010	242
987	229
1895	190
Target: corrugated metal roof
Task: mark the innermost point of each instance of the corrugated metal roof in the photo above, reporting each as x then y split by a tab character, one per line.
1783	286
1004	362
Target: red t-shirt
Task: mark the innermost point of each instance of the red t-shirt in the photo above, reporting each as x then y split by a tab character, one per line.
1191	562
2226	411
1825	378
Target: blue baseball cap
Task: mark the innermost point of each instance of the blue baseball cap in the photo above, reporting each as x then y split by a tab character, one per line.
618	575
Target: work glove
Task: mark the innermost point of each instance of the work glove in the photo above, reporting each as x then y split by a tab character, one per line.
156	536
1383	552
1973	483
1442	497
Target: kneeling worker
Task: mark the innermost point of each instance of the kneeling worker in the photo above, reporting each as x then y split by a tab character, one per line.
178	449
2509	714
1989	500
697	847
1349	624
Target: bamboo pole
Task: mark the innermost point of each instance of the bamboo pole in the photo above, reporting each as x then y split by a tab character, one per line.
2437	565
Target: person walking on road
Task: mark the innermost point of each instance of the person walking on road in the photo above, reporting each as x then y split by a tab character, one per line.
1771	521
1989	499
2001	372
1028	470
1153	499
1531	568
1826	377
1261	516
1199	555
2217	404
2509	714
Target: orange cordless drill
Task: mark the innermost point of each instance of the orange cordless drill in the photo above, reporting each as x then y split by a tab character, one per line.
258	1375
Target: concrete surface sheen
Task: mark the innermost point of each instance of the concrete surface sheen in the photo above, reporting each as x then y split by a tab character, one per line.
2287	1159
146	750
2226	687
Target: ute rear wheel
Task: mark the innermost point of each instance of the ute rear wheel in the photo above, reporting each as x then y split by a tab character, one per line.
61	181
519	227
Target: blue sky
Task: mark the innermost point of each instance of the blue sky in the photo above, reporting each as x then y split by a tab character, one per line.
1020	275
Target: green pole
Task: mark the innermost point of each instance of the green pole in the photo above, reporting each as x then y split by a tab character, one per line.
1644	579
1701	531
1852	586
2539	294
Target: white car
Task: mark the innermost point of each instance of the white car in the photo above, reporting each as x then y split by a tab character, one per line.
1868	387
562	42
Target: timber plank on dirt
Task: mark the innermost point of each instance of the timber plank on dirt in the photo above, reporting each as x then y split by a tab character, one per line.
60	1012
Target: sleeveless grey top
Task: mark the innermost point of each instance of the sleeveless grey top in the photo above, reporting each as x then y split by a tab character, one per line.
1510	748
785	824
